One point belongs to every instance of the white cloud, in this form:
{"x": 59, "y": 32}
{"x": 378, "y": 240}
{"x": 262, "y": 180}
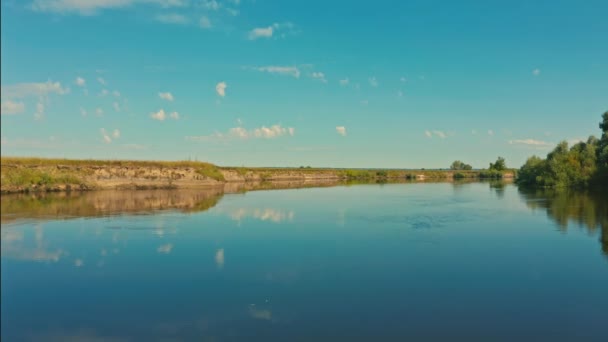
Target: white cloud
{"x": 39, "y": 114}
{"x": 399, "y": 93}
{"x": 319, "y": 76}
{"x": 166, "y": 96}
{"x": 165, "y": 249}
{"x": 474, "y": 132}
{"x": 9, "y": 107}
{"x": 439, "y": 134}
{"x": 80, "y": 81}
{"x": 99, "y": 112}
{"x": 263, "y": 132}
{"x": 344, "y": 82}
{"x": 490, "y": 132}
{"x": 83, "y": 111}
{"x": 219, "y": 258}
{"x": 220, "y": 88}
{"x": 260, "y": 32}
{"x": 373, "y": 81}
{"x": 536, "y": 72}
{"x": 104, "y": 92}
{"x": 280, "y": 70}
{"x": 22, "y": 90}
{"x": 105, "y": 136}
{"x": 172, "y": 18}
{"x": 101, "y": 80}
{"x": 78, "y": 262}
{"x": 92, "y": 7}
{"x": 403, "y": 79}
{"x": 161, "y": 115}
{"x": 210, "y": 5}
{"x": 204, "y": 22}
{"x": 529, "y": 142}
{"x": 341, "y": 130}
{"x": 116, "y": 133}
{"x": 116, "y": 106}
{"x": 364, "y": 102}
{"x": 116, "y": 93}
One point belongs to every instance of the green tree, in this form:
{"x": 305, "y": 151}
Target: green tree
{"x": 602, "y": 149}
{"x": 499, "y": 165}
{"x": 458, "y": 165}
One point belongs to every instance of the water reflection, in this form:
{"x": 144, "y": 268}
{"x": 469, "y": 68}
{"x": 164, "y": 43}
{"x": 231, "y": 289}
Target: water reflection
{"x": 587, "y": 209}
{"x": 105, "y": 203}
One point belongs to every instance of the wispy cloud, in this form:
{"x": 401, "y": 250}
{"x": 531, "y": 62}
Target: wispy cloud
{"x": 99, "y": 112}
{"x": 204, "y": 22}
{"x": 319, "y": 76}
{"x": 438, "y": 134}
{"x": 116, "y": 106}
{"x": 101, "y": 80}
{"x": 107, "y": 137}
{"x": 166, "y": 96}
{"x": 344, "y": 82}
{"x": 39, "y": 114}
{"x": 93, "y": 7}
{"x": 530, "y": 142}
{"x": 280, "y": 70}
{"x": 341, "y": 130}
{"x": 283, "y": 29}
{"x": 373, "y": 82}
{"x": 22, "y": 90}
{"x": 260, "y": 32}
{"x": 536, "y": 72}
{"x": 172, "y": 18}
{"x": 490, "y": 132}
{"x": 272, "y": 132}
{"x": 220, "y": 88}
{"x": 161, "y": 115}
{"x": 80, "y": 81}
{"x": 9, "y": 107}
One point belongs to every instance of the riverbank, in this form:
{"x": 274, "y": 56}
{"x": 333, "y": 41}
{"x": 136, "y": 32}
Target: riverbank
{"x": 44, "y": 175}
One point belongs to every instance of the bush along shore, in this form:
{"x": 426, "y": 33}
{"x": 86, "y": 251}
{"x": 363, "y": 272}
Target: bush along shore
{"x": 41, "y": 174}
{"x": 584, "y": 165}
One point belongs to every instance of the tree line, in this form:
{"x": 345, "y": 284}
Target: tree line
{"x": 583, "y": 165}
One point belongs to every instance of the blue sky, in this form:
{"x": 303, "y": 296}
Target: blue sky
{"x": 401, "y": 84}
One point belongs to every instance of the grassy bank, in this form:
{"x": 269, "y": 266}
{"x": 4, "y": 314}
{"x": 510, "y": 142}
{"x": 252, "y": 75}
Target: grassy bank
{"x": 42, "y": 174}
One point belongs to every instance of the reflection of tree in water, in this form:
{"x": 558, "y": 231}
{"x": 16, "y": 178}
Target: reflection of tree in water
{"x": 585, "y": 208}
{"x": 498, "y": 187}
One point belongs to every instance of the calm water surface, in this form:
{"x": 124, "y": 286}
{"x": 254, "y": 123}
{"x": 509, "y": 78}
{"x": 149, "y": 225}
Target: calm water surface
{"x": 368, "y": 262}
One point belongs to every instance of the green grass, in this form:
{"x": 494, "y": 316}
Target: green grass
{"x": 210, "y": 171}
{"x": 26, "y": 177}
{"x": 21, "y": 161}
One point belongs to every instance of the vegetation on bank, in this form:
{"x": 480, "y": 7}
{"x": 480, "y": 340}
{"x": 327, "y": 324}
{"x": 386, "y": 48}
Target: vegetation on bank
{"x": 583, "y": 165}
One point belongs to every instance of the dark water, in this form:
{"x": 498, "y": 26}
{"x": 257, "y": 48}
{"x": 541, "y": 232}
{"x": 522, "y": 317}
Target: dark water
{"x": 396, "y": 262}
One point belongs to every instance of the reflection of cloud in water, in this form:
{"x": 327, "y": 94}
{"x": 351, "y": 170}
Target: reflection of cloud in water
{"x": 219, "y": 258}
{"x": 78, "y": 262}
{"x": 10, "y": 235}
{"x": 165, "y": 249}
{"x": 260, "y": 313}
{"x": 267, "y": 214}
{"x": 36, "y": 254}
{"x": 103, "y": 252}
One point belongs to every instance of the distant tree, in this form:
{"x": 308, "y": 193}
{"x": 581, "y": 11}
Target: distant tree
{"x": 458, "y": 165}
{"x": 499, "y": 165}
{"x": 602, "y": 149}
